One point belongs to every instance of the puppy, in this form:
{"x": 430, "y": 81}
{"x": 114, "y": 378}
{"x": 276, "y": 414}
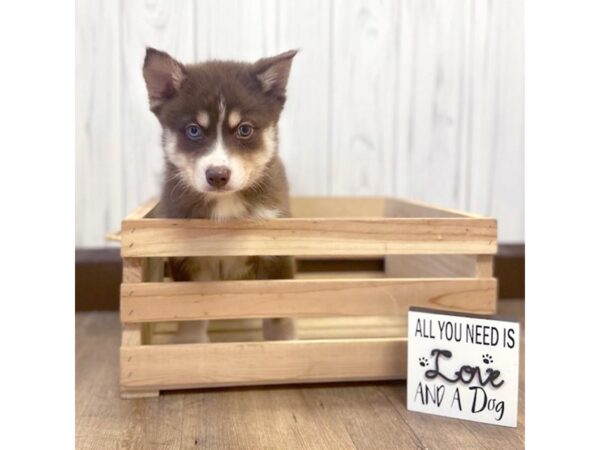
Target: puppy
{"x": 219, "y": 122}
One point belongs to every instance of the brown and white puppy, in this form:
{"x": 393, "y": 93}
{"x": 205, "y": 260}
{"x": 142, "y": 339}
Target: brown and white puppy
{"x": 219, "y": 121}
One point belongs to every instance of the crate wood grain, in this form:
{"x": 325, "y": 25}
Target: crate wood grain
{"x": 250, "y": 330}
{"x": 254, "y": 363}
{"x": 151, "y": 302}
{"x": 322, "y": 226}
{"x": 366, "y": 236}
{"x": 351, "y": 318}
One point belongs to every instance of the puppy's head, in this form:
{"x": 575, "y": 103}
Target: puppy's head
{"x": 219, "y": 118}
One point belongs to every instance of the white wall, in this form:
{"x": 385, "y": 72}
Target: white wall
{"x": 414, "y": 98}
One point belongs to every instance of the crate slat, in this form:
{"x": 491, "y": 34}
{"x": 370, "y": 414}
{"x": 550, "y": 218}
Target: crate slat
{"x": 136, "y": 270}
{"x": 152, "y": 302}
{"x": 425, "y": 266}
{"x": 400, "y": 207}
{"x": 256, "y": 363}
{"x": 359, "y": 236}
{"x": 337, "y": 206}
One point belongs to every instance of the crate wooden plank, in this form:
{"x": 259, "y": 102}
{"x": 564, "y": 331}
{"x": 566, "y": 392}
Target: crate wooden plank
{"x": 320, "y": 207}
{"x": 399, "y": 207}
{"x": 256, "y": 363}
{"x": 244, "y": 330}
{"x": 153, "y": 302}
{"x": 136, "y": 270}
{"x": 342, "y": 274}
{"x": 425, "y": 266}
{"x": 312, "y": 328}
{"x": 189, "y": 237}
{"x": 315, "y": 207}
{"x": 337, "y": 206}
{"x": 344, "y": 325}
{"x": 485, "y": 266}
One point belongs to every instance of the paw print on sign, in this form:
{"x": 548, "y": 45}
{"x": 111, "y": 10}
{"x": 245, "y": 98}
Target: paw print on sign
{"x": 487, "y": 358}
{"x": 423, "y": 362}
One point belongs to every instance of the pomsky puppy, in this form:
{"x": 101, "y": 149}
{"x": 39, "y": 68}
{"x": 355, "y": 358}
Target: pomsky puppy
{"x": 219, "y": 122}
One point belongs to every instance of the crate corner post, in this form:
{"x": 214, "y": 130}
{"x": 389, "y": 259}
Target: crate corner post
{"x": 135, "y": 270}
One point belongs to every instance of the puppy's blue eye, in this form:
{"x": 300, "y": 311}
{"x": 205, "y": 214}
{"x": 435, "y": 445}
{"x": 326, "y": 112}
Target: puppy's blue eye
{"x": 194, "y": 132}
{"x": 245, "y": 130}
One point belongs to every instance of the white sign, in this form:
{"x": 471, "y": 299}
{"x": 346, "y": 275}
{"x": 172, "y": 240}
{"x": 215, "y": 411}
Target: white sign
{"x": 463, "y": 366}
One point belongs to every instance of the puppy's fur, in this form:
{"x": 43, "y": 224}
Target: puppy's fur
{"x": 219, "y": 122}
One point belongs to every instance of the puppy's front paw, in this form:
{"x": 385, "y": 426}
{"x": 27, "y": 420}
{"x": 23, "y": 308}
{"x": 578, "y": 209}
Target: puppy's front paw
{"x": 279, "y": 329}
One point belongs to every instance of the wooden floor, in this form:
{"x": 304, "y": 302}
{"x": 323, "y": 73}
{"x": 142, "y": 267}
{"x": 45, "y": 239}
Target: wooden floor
{"x": 328, "y": 416}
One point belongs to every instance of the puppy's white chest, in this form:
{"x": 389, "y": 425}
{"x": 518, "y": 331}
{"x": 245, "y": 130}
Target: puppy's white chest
{"x": 229, "y": 267}
{"x": 229, "y": 207}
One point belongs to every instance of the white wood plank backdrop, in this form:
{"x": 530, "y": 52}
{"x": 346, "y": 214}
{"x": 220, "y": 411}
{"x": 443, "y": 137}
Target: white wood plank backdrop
{"x": 414, "y": 98}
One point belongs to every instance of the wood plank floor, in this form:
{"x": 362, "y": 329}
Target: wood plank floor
{"x": 326, "y": 416}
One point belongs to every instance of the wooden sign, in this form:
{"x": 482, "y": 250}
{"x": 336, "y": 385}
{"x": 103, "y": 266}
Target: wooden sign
{"x": 463, "y": 366}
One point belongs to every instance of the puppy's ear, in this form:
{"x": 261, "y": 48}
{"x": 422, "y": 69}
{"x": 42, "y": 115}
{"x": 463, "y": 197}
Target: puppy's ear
{"x": 273, "y": 73}
{"x": 164, "y": 76}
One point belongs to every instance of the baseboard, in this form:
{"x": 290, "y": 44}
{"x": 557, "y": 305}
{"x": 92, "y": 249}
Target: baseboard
{"x": 97, "y": 279}
{"x": 509, "y": 268}
{"x": 98, "y": 275}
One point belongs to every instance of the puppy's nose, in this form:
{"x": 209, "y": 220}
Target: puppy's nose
{"x": 218, "y": 176}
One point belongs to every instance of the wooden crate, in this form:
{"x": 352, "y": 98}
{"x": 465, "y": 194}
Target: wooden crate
{"x": 362, "y": 262}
